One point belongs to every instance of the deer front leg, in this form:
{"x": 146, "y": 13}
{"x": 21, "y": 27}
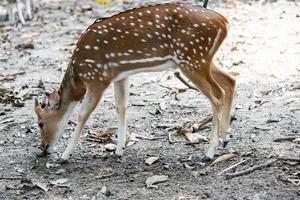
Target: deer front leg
{"x": 19, "y": 9}
{"x": 121, "y": 99}
{"x": 88, "y": 105}
{"x": 28, "y": 8}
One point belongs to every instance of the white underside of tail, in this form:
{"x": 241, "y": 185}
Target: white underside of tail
{"x": 170, "y": 63}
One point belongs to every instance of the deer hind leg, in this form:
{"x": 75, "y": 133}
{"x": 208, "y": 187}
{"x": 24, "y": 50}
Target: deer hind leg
{"x": 121, "y": 99}
{"x": 204, "y": 81}
{"x": 228, "y": 85}
{"x": 90, "y": 101}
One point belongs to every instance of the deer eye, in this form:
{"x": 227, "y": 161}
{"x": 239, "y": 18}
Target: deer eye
{"x": 41, "y": 125}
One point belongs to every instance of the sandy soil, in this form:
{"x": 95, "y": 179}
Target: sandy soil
{"x": 262, "y": 49}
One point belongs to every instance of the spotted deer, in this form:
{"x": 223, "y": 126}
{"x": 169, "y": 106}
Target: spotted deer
{"x": 146, "y": 39}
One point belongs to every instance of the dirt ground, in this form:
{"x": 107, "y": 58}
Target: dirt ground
{"x": 262, "y": 50}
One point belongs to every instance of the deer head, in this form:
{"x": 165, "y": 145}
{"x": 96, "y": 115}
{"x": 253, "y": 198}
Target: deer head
{"x": 48, "y": 116}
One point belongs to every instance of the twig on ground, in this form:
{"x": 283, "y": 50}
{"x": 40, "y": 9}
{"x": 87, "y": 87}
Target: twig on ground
{"x": 11, "y": 178}
{"x": 220, "y": 62}
{"x": 151, "y": 139}
{"x": 103, "y": 176}
{"x": 250, "y": 170}
{"x": 177, "y": 75}
{"x": 294, "y": 181}
{"x": 290, "y": 138}
{"x": 90, "y": 139}
{"x": 233, "y": 166}
{"x": 196, "y": 127}
{"x": 290, "y": 159}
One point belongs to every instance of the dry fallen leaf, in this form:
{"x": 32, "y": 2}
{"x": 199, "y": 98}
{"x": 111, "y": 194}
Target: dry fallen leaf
{"x": 62, "y": 182}
{"x": 223, "y": 158}
{"x": 107, "y": 133}
{"x": 181, "y": 90}
{"x": 5, "y": 29}
{"x": 151, "y": 160}
{"x": 155, "y": 179}
{"x": 130, "y": 139}
{"x": 43, "y": 186}
{"x": 191, "y": 137}
{"x": 29, "y": 35}
{"x": 186, "y": 165}
{"x": 7, "y": 78}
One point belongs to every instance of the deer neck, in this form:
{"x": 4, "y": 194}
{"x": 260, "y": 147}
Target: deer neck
{"x": 70, "y": 90}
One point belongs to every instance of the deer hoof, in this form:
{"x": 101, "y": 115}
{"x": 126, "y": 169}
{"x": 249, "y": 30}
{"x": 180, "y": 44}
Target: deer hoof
{"x": 225, "y": 143}
{"x": 206, "y": 159}
{"x": 42, "y": 154}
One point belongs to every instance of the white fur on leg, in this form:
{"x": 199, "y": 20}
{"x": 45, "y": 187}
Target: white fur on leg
{"x": 121, "y": 100}
{"x": 213, "y": 144}
{"x": 225, "y": 124}
{"x": 214, "y": 137}
{"x": 73, "y": 143}
{"x": 89, "y": 103}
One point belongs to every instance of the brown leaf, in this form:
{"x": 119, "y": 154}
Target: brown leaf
{"x": 181, "y": 90}
{"x": 191, "y": 137}
{"x": 5, "y": 29}
{"x": 29, "y": 35}
{"x": 223, "y": 158}
{"x": 25, "y": 46}
{"x": 234, "y": 48}
{"x": 181, "y": 131}
{"x": 107, "y": 133}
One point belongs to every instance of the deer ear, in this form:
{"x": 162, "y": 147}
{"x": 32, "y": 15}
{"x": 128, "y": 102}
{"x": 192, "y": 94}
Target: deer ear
{"x": 53, "y": 100}
{"x": 37, "y": 106}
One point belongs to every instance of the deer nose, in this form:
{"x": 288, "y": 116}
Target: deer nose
{"x": 44, "y": 147}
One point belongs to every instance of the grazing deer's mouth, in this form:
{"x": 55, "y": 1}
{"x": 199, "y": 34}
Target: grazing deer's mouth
{"x": 44, "y": 151}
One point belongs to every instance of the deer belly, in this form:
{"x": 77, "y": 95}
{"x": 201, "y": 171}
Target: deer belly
{"x": 147, "y": 65}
